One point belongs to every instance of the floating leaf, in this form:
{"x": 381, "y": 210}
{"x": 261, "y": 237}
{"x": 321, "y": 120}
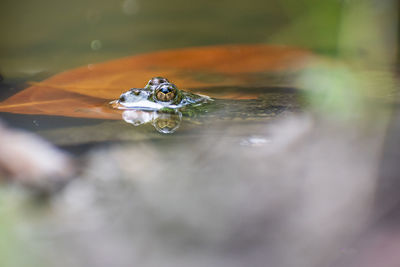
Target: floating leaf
{"x": 86, "y": 91}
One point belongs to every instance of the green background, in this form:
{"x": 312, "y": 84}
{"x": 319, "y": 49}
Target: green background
{"x": 51, "y": 35}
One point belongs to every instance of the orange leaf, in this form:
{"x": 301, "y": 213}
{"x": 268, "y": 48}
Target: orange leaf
{"x": 86, "y": 91}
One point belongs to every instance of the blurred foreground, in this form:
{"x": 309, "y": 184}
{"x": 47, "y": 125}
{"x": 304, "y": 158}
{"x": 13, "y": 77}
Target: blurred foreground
{"x": 305, "y": 191}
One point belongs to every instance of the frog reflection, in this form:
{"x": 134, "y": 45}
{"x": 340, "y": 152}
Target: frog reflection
{"x": 163, "y": 122}
{"x": 158, "y": 102}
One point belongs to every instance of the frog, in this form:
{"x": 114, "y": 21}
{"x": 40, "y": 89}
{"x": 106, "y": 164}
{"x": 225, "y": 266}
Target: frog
{"x": 159, "y": 94}
{"x": 164, "y": 106}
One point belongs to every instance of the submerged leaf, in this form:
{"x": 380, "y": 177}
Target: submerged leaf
{"x": 86, "y": 91}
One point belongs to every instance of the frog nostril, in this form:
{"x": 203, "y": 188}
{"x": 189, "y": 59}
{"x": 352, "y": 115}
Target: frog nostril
{"x": 122, "y": 99}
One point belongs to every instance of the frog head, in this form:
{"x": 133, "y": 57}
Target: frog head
{"x": 158, "y": 94}
{"x": 138, "y": 98}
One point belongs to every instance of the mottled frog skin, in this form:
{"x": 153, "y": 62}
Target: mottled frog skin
{"x": 158, "y": 94}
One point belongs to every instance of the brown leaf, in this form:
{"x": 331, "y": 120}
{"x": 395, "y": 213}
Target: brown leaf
{"x": 86, "y": 91}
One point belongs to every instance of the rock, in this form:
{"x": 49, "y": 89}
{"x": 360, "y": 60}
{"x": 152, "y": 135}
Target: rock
{"x": 25, "y": 158}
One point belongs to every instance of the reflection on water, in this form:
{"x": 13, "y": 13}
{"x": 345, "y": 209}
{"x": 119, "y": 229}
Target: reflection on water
{"x": 163, "y": 122}
{"x": 243, "y": 114}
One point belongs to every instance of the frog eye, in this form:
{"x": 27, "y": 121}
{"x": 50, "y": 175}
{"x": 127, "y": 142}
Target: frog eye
{"x": 122, "y": 98}
{"x": 165, "y": 92}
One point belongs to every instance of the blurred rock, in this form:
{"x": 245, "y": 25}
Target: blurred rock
{"x": 27, "y": 159}
{"x": 298, "y": 199}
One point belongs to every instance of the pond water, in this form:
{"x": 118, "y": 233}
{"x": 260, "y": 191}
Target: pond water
{"x": 262, "y": 175}
{"x": 79, "y": 134}
{"x": 41, "y": 39}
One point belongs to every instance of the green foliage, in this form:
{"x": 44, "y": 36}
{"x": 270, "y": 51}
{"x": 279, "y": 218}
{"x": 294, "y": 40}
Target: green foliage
{"x": 15, "y": 248}
{"x": 332, "y": 89}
